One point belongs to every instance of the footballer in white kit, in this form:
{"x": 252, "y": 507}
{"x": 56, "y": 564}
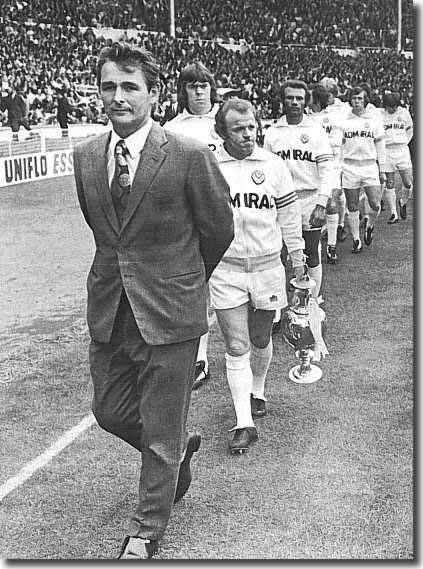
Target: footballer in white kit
{"x": 398, "y": 126}
{"x": 248, "y": 284}
{"x": 363, "y": 164}
{"x": 197, "y": 101}
{"x": 305, "y": 149}
{"x": 330, "y": 119}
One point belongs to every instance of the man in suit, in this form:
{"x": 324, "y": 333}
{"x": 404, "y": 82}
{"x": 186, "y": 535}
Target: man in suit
{"x": 17, "y": 112}
{"x": 160, "y": 214}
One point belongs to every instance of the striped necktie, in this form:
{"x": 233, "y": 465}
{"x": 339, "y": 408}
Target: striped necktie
{"x": 121, "y": 182}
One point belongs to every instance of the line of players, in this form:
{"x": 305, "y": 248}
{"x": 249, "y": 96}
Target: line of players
{"x": 339, "y": 155}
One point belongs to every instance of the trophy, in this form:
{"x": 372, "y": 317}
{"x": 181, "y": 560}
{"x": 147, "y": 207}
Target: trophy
{"x": 302, "y": 329}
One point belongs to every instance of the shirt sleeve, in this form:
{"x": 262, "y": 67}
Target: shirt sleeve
{"x": 288, "y": 210}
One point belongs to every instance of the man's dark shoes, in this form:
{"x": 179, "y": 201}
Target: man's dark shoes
{"x": 277, "y": 327}
{"x": 331, "y": 255}
{"x": 402, "y": 209}
{"x": 201, "y": 375}
{"x": 382, "y": 205}
{"x": 357, "y": 246}
{"x": 258, "y": 407}
{"x": 185, "y": 476}
{"x": 241, "y": 440}
{"x": 368, "y": 234}
{"x": 138, "y": 548}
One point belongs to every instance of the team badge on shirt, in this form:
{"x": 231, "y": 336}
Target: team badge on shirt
{"x": 304, "y": 138}
{"x": 325, "y": 119}
{"x": 366, "y": 125}
{"x": 258, "y": 177}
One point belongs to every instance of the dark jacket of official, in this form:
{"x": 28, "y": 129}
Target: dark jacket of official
{"x": 15, "y": 106}
{"x": 176, "y": 227}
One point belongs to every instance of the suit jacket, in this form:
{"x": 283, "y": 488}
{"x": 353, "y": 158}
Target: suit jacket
{"x": 177, "y": 226}
{"x": 16, "y": 107}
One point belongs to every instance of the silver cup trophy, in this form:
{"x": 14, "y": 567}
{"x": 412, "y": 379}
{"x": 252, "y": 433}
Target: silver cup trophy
{"x": 301, "y": 328}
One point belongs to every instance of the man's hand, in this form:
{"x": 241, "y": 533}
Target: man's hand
{"x": 318, "y": 216}
{"x": 382, "y": 177}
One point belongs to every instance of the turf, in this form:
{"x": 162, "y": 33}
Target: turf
{"x": 331, "y": 476}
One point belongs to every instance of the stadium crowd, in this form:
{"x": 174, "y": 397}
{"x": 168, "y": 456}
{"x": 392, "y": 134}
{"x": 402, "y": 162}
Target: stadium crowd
{"x": 43, "y": 60}
{"x": 371, "y": 23}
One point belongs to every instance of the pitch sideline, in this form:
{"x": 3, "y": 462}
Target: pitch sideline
{"x": 31, "y": 467}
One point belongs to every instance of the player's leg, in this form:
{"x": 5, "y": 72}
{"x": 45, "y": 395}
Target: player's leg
{"x": 406, "y": 190}
{"x": 230, "y": 299}
{"x": 312, "y": 250}
{"x": 373, "y": 194}
{"x": 390, "y": 197}
{"x": 342, "y": 213}
{"x": 352, "y": 196}
{"x": 267, "y": 293}
{"x": 332, "y": 222}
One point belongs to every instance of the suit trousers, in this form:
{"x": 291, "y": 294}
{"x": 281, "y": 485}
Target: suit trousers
{"x": 142, "y": 394}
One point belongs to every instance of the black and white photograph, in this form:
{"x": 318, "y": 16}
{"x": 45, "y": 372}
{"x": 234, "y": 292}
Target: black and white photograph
{"x": 207, "y": 280}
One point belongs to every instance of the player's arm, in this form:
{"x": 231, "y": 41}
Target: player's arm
{"x": 380, "y": 150}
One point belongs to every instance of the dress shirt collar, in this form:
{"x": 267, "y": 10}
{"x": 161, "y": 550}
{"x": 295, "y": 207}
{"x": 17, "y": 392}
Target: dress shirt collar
{"x": 134, "y": 142}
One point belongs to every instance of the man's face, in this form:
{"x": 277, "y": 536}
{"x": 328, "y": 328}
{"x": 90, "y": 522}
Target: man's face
{"x": 240, "y": 134}
{"x": 126, "y": 99}
{"x": 357, "y": 103}
{"x": 198, "y": 95}
{"x": 294, "y": 103}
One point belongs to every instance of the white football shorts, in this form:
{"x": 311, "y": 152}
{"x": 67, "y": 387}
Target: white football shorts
{"x": 398, "y": 158}
{"x": 264, "y": 289}
{"x": 356, "y": 174}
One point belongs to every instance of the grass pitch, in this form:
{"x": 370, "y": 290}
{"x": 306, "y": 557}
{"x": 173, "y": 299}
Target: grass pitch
{"x": 331, "y": 476}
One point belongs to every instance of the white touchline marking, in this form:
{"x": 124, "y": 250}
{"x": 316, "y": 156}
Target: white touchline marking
{"x": 64, "y": 441}
{"x": 28, "y": 470}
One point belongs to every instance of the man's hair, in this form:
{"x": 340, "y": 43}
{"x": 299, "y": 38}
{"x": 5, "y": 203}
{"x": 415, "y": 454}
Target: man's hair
{"x": 191, "y": 74}
{"x": 128, "y": 57}
{"x": 295, "y": 84}
{"x": 240, "y": 105}
{"x": 356, "y": 91}
{"x": 391, "y": 99}
{"x": 321, "y": 95}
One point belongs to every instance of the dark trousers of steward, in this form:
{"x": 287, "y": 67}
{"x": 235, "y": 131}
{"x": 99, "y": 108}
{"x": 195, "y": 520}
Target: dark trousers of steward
{"x": 142, "y": 394}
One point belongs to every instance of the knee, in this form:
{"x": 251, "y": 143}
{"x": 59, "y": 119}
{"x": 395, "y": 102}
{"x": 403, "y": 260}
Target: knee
{"x": 237, "y": 347}
{"x": 108, "y": 420}
{"x": 331, "y": 207}
{"x": 260, "y": 339}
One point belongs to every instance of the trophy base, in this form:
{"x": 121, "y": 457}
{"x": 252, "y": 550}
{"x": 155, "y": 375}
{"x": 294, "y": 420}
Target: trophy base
{"x": 309, "y": 374}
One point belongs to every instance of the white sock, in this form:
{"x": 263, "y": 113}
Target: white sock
{"x": 391, "y": 199}
{"x": 354, "y": 223}
{"x": 277, "y": 317}
{"x": 316, "y": 274}
{"x": 341, "y": 209}
{"x": 202, "y": 350}
{"x": 240, "y": 380}
{"x": 260, "y": 362}
{"x": 332, "y": 225}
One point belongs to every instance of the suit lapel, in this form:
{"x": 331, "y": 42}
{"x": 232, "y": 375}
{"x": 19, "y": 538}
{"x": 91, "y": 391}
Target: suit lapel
{"x": 152, "y": 157}
{"x": 101, "y": 181}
